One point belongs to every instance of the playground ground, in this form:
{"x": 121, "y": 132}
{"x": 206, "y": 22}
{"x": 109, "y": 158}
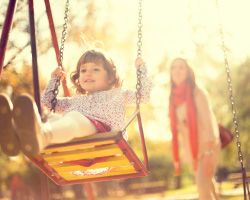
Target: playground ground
{"x": 229, "y": 194}
{"x": 228, "y": 191}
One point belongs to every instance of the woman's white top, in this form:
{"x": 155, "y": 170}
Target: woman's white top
{"x": 207, "y": 126}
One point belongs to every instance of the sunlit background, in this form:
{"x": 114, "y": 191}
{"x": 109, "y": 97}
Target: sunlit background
{"x": 171, "y": 28}
{"x": 186, "y": 28}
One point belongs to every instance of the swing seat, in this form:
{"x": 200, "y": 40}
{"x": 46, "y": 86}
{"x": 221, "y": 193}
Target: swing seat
{"x": 100, "y": 157}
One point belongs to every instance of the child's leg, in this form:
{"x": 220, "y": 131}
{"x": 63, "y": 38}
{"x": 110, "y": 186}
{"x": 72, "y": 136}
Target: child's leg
{"x": 34, "y": 135}
{"x": 28, "y": 123}
{"x": 67, "y": 127}
{"x": 8, "y": 140}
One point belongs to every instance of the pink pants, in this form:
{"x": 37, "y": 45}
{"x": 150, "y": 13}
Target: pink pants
{"x": 100, "y": 127}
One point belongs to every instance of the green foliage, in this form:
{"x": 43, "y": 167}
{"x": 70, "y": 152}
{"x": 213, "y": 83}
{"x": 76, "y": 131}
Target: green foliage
{"x": 19, "y": 79}
{"x": 222, "y": 107}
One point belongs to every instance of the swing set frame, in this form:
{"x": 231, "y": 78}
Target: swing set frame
{"x": 114, "y": 137}
{"x": 134, "y": 167}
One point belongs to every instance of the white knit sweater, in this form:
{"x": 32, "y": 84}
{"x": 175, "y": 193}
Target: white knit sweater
{"x": 106, "y": 106}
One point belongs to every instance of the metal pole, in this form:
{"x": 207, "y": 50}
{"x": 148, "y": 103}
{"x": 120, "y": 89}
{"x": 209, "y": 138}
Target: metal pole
{"x": 43, "y": 178}
{"x": 6, "y": 30}
{"x": 55, "y": 42}
{"x": 34, "y": 56}
{"x": 52, "y": 30}
{"x": 143, "y": 143}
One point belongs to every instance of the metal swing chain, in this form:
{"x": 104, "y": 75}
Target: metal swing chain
{"x": 233, "y": 109}
{"x": 63, "y": 38}
{"x": 230, "y": 92}
{"x": 139, "y": 85}
{"x": 139, "y": 52}
{"x": 232, "y": 101}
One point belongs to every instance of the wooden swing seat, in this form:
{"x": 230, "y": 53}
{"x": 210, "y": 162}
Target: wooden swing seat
{"x": 99, "y": 157}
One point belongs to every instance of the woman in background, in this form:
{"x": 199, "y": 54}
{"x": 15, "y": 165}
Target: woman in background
{"x": 194, "y": 128}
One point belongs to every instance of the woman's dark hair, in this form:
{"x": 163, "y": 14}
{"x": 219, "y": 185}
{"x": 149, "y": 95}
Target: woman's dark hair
{"x": 98, "y": 58}
{"x": 190, "y": 73}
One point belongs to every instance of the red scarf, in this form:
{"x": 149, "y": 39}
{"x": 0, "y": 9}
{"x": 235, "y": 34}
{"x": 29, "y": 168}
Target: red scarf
{"x": 183, "y": 94}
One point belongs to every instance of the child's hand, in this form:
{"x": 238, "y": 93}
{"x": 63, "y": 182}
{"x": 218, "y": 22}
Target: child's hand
{"x": 59, "y": 73}
{"x": 139, "y": 62}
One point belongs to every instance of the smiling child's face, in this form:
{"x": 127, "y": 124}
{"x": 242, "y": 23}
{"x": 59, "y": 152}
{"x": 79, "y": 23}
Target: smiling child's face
{"x": 93, "y": 77}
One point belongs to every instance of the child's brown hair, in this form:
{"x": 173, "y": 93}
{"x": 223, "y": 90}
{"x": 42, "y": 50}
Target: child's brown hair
{"x": 98, "y": 58}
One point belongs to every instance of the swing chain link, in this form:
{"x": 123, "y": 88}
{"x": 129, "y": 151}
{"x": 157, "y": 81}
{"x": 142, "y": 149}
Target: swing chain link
{"x": 55, "y": 91}
{"x": 139, "y": 52}
{"x": 139, "y": 33}
{"x": 64, "y": 32}
{"x": 230, "y": 92}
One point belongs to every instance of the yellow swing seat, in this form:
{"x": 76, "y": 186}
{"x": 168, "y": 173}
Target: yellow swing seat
{"x": 99, "y": 157}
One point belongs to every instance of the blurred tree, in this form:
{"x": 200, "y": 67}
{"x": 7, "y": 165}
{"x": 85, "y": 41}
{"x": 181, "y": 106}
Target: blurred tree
{"x": 222, "y": 105}
{"x": 87, "y": 32}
